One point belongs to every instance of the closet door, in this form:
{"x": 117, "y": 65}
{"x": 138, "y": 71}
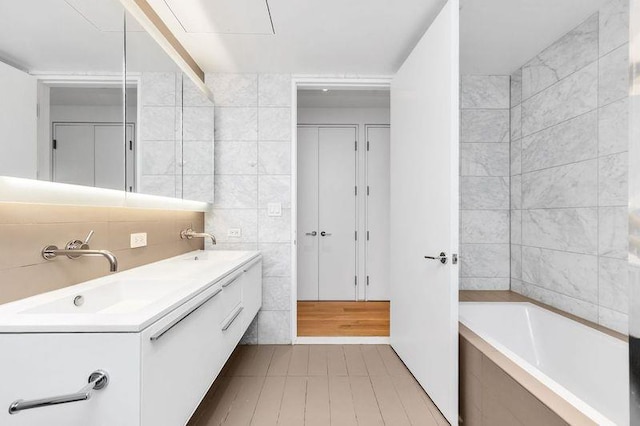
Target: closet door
{"x": 110, "y": 157}
{"x": 377, "y": 239}
{"x": 73, "y": 154}
{"x": 337, "y": 213}
{"x": 308, "y": 233}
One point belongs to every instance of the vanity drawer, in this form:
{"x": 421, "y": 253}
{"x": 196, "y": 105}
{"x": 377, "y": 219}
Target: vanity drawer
{"x": 181, "y": 356}
{"x": 232, "y": 329}
{"x": 231, "y": 293}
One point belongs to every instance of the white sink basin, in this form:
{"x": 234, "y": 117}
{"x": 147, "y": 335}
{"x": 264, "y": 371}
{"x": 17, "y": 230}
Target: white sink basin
{"x": 215, "y": 255}
{"x": 117, "y": 297}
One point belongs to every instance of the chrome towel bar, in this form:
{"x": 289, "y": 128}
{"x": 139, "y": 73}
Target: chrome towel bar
{"x": 97, "y": 380}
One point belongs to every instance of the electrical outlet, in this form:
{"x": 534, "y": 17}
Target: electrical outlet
{"x": 274, "y": 209}
{"x": 234, "y": 232}
{"x": 139, "y": 240}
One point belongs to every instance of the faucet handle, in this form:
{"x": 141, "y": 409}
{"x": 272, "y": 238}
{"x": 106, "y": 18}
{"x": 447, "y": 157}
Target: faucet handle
{"x": 86, "y": 240}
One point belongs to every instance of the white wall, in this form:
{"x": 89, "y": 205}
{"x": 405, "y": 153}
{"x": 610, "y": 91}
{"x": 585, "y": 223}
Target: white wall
{"x": 18, "y": 121}
{"x": 360, "y": 117}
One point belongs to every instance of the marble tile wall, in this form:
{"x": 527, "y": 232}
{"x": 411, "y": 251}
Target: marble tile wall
{"x": 252, "y": 170}
{"x": 484, "y": 182}
{"x": 569, "y": 142}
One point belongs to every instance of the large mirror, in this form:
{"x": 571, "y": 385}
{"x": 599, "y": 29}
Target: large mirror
{"x": 89, "y": 98}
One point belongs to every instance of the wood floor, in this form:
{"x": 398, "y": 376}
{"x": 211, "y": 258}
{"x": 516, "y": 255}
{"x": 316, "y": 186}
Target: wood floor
{"x": 322, "y": 385}
{"x": 343, "y": 318}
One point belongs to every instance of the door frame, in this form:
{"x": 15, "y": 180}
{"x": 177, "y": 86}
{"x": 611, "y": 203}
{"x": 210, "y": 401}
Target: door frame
{"x": 311, "y": 82}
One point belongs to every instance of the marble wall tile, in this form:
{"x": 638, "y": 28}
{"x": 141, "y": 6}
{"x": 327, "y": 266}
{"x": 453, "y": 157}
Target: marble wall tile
{"x": 516, "y": 226}
{"x": 484, "y": 193}
{"x": 515, "y": 155}
{"x": 274, "y": 189}
{"x": 484, "y": 226}
{"x": 276, "y": 259}
{"x": 516, "y": 88}
{"x": 571, "y": 274}
{"x": 570, "y": 53}
{"x": 276, "y": 293}
{"x": 515, "y": 194}
{"x": 516, "y": 122}
{"x": 236, "y": 124}
{"x": 158, "y": 89}
{"x": 251, "y": 335}
{"x": 197, "y": 123}
{"x": 198, "y": 157}
{"x": 570, "y": 97}
{"x": 236, "y": 191}
{"x": 158, "y": 123}
{"x": 581, "y": 308}
{"x": 482, "y": 91}
{"x": 198, "y": 188}
{"x": 614, "y": 25}
{"x": 614, "y": 320}
{"x": 158, "y": 157}
{"x": 220, "y": 221}
{"x": 569, "y": 142}
{"x": 192, "y": 96}
{"x": 614, "y": 75}
{"x": 484, "y": 260}
{"x": 612, "y": 180}
{"x": 274, "y": 158}
{"x": 516, "y": 262}
{"x": 613, "y": 127}
{"x": 484, "y": 159}
{"x": 274, "y": 229}
{"x": 573, "y": 185}
{"x": 233, "y": 90}
{"x": 574, "y": 230}
{"x": 484, "y": 126}
{"x": 274, "y": 124}
{"x": 484, "y": 283}
{"x": 274, "y": 327}
{"x": 613, "y": 289}
{"x": 613, "y": 230}
{"x": 162, "y": 185}
{"x": 236, "y": 158}
{"x": 274, "y": 90}
{"x": 232, "y": 246}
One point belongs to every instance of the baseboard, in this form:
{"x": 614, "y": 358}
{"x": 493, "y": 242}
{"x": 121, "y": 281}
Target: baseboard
{"x": 341, "y": 340}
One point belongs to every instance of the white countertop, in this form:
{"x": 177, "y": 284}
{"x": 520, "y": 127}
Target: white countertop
{"x": 141, "y": 296}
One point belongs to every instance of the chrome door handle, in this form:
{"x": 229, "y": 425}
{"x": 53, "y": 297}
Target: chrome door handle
{"x": 325, "y": 234}
{"x": 442, "y": 258}
{"x": 312, "y": 234}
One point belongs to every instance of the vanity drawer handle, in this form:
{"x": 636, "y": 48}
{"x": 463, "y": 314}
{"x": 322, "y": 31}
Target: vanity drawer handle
{"x": 233, "y": 318}
{"x": 251, "y": 263}
{"x": 176, "y": 321}
{"x": 233, "y": 280}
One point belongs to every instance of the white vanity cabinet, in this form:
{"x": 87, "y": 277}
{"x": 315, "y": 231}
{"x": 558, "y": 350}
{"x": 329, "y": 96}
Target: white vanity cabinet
{"x": 157, "y": 376}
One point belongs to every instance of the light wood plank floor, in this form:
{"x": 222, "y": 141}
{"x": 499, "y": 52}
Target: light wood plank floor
{"x": 343, "y": 318}
{"x": 322, "y": 385}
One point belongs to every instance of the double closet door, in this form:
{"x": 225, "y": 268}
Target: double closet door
{"x": 327, "y": 213}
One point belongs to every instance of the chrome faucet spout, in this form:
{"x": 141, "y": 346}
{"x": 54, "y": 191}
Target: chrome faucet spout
{"x": 190, "y": 233}
{"x": 77, "y": 248}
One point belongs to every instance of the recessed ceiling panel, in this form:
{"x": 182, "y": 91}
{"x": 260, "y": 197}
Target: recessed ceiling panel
{"x": 105, "y": 15}
{"x": 222, "y": 16}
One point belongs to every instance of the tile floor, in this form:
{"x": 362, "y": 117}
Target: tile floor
{"x": 322, "y": 385}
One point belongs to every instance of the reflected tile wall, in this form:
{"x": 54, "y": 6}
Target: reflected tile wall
{"x": 570, "y": 205}
{"x": 253, "y": 169}
{"x": 484, "y": 182}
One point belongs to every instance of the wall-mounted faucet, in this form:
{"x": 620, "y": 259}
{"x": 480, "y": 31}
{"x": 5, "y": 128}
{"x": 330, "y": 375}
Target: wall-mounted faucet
{"x": 77, "y": 248}
{"x": 189, "y": 233}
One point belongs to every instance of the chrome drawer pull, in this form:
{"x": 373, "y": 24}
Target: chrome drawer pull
{"x": 176, "y": 321}
{"x": 250, "y": 264}
{"x": 233, "y": 318}
{"x": 97, "y": 380}
{"x": 233, "y": 280}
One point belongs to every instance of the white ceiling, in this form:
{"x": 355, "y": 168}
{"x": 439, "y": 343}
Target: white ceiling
{"x": 499, "y": 36}
{"x": 316, "y": 98}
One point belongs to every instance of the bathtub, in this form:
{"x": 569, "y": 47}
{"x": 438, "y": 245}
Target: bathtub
{"x": 583, "y": 366}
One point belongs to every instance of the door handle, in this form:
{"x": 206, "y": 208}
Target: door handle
{"x": 325, "y": 234}
{"x": 442, "y": 258}
{"x": 312, "y": 234}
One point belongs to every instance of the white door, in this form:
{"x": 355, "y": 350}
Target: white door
{"x": 337, "y": 213}
{"x": 424, "y": 211}
{"x": 73, "y": 154}
{"x": 377, "y": 238}
{"x": 110, "y": 157}
{"x": 308, "y": 234}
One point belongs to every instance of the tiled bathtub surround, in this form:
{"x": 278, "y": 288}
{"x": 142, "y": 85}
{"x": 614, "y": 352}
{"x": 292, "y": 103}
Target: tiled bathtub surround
{"x": 253, "y": 169}
{"x": 27, "y": 228}
{"x": 484, "y": 183}
{"x": 569, "y": 142}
